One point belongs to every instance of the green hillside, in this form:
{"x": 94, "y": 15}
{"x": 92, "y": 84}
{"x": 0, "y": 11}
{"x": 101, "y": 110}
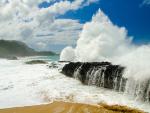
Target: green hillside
{"x": 16, "y": 48}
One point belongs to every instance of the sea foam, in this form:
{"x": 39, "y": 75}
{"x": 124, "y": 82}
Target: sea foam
{"x": 101, "y": 40}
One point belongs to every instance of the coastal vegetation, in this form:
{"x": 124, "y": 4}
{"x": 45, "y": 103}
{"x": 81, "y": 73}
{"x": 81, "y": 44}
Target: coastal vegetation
{"x": 11, "y": 48}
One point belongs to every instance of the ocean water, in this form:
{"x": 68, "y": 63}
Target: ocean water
{"x": 45, "y": 58}
{"x": 24, "y": 85}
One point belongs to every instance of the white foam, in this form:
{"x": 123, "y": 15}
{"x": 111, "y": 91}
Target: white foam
{"x": 101, "y": 40}
{"x": 67, "y": 53}
{"x": 24, "y": 85}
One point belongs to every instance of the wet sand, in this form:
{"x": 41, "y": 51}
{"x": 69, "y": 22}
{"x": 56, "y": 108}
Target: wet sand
{"x": 66, "y": 107}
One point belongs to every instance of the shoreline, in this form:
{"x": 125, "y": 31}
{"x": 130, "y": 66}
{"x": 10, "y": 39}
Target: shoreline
{"x": 65, "y": 107}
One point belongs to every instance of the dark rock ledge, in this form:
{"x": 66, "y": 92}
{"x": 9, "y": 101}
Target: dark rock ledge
{"x": 101, "y": 74}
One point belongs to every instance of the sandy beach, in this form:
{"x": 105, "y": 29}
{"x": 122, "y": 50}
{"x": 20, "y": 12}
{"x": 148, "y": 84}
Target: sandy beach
{"x": 66, "y": 107}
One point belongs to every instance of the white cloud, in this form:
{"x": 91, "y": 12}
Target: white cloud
{"x": 90, "y": 1}
{"x": 146, "y": 2}
{"x": 61, "y": 31}
{"x": 23, "y": 20}
{"x": 29, "y": 8}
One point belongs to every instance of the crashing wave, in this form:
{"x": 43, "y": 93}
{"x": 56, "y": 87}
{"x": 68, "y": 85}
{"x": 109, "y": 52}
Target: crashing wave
{"x": 107, "y": 75}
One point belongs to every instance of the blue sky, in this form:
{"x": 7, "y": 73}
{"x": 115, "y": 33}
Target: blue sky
{"x": 57, "y": 24}
{"x": 132, "y": 14}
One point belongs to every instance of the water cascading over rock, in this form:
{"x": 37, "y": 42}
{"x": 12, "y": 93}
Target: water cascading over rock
{"x": 138, "y": 89}
{"x": 101, "y": 74}
{"x": 107, "y": 75}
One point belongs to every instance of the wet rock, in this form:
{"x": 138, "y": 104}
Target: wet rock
{"x": 36, "y": 62}
{"x": 53, "y": 65}
{"x": 101, "y": 74}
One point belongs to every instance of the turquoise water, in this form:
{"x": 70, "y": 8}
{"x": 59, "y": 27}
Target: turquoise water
{"x": 54, "y": 57}
{"x": 46, "y": 58}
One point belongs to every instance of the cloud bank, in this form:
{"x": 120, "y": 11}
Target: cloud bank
{"x": 23, "y": 20}
{"x": 101, "y": 40}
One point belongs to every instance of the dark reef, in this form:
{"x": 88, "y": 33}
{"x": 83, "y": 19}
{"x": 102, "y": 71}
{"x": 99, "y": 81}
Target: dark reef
{"x": 101, "y": 74}
{"x": 36, "y": 62}
{"x": 107, "y": 75}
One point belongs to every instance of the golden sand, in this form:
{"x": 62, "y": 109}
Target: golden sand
{"x": 66, "y": 107}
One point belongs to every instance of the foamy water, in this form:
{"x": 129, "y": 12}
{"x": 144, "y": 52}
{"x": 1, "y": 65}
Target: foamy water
{"x": 24, "y": 85}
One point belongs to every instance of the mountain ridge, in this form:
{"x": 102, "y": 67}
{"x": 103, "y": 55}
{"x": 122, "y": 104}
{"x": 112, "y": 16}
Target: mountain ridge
{"x": 13, "y": 48}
